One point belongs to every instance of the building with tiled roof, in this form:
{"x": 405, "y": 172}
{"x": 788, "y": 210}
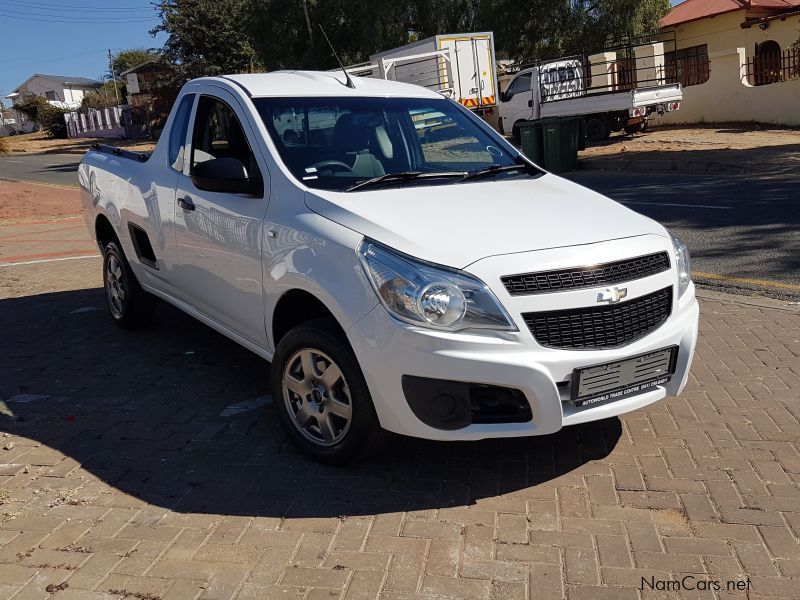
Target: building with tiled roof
{"x": 754, "y": 43}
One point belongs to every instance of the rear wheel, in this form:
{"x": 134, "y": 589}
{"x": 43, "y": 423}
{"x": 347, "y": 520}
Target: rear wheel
{"x": 597, "y": 129}
{"x": 631, "y": 129}
{"x": 320, "y": 394}
{"x": 128, "y": 304}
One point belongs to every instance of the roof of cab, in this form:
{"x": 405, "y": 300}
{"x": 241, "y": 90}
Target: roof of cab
{"x": 324, "y": 83}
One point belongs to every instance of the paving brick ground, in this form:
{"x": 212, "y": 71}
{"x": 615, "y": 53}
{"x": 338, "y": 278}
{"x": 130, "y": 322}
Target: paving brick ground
{"x": 119, "y": 476}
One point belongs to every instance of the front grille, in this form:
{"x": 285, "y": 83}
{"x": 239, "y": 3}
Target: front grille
{"x": 582, "y": 277}
{"x": 601, "y": 326}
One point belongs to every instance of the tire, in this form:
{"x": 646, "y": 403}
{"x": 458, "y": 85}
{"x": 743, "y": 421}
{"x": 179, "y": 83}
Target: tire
{"x": 631, "y": 129}
{"x": 597, "y": 129}
{"x": 128, "y": 304}
{"x": 328, "y": 414}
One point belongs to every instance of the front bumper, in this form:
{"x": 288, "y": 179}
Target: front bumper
{"x": 387, "y": 349}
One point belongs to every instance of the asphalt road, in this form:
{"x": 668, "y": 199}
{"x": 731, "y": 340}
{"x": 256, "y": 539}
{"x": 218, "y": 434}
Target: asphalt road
{"x": 743, "y": 231}
{"x": 59, "y": 169}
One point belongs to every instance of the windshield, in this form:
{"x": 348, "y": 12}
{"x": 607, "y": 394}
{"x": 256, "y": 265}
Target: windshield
{"x": 335, "y": 143}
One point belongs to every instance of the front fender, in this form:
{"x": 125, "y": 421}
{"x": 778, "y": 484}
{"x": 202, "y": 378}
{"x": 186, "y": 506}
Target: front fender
{"x": 317, "y": 256}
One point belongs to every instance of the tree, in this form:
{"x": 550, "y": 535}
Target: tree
{"x": 106, "y": 96}
{"x": 133, "y": 57}
{"x": 607, "y": 21}
{"x": 50, "y": 118}
{"x": 206, "y": 37}
{"x": 211, "y": 37}
{"x": 286, "y": 34}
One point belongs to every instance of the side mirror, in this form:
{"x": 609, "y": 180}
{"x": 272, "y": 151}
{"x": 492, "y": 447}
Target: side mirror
{"x": 504, "y": 97}
{"x": 225, "y": 175}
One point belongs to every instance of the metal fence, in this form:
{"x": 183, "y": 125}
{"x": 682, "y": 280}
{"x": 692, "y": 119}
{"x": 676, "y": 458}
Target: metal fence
{"x": 639, "y": 63}
{"x": 110, "y": 122}
{"x": 774, "y": 67}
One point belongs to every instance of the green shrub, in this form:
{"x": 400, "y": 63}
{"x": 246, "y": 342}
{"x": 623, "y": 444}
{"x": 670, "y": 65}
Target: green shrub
{"x": 45, "y": 114}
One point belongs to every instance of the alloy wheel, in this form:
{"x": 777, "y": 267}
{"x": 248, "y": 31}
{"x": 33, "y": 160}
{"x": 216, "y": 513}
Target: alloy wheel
{"x": 317, "y": 397}
{"x": 115, "y": 286}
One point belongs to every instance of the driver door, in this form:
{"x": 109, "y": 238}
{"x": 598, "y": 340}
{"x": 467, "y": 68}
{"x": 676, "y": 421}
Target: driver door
{"x": 517, "y": 102}
{"x": 219, "y": 233}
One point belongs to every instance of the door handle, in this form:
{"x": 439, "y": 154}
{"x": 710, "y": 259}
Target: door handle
{"x": 530, "y": 103}
{"x": 186, "y": 203}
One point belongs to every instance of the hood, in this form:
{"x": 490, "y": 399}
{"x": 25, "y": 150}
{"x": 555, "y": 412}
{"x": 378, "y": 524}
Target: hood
{"x": 456, "y": 225}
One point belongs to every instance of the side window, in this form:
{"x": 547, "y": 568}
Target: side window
{"x": 300, "y": 127}
{"x": 445, "y": 142}
{"x": 519, "y": 85}
{"x": 177, "y": 134}
{"x": 219, "y": 134}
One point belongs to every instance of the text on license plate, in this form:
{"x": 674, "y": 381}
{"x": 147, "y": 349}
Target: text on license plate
{"x": 620, "y": 379}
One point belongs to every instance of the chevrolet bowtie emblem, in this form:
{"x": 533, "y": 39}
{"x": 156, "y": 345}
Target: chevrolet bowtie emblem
{"x": 612, "y": 295}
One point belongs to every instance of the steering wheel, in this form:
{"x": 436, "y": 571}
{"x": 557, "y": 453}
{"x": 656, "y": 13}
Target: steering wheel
{"x": 332, "y": 165}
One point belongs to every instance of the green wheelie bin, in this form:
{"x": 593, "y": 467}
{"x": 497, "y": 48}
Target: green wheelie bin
{"x": 530, "y": 133}
{"x": 553, "y": 143}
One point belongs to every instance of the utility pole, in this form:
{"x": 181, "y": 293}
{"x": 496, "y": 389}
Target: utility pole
{"x": 113, "y": 76}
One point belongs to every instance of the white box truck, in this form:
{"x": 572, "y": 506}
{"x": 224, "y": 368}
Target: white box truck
{"x": 458, "y": 65}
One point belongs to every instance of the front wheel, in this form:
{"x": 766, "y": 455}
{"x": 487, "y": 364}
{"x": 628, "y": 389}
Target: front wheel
{"x": 129, "y": 305}
{"x": 320, "y": 394}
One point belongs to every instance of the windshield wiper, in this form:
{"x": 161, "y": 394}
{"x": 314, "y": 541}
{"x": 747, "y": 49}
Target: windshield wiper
{"x": 403, "y": 176}
{"x": 494, "y": 170}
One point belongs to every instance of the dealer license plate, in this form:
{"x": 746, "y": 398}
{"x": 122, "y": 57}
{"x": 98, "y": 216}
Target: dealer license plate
{"x": 624, "y": 378}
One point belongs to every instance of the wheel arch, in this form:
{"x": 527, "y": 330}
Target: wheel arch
{"x": 297, "y": 306}
{"x": 104, "y": 231}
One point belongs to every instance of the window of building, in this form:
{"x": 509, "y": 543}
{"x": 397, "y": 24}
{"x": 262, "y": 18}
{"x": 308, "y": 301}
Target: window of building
{"x": 50, "y": 95}
{"x": 687, "y": 66}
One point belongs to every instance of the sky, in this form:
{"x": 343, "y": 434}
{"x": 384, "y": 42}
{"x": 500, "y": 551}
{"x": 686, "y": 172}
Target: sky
{"x": 69, "y": 37}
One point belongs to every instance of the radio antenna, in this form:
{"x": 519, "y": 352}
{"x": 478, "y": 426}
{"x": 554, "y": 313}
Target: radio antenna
{"x": 349, "y": 82}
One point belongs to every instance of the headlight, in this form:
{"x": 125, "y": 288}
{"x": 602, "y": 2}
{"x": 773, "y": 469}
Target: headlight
{"x": 684, "y": 264}
{"x": 428, "y": 295}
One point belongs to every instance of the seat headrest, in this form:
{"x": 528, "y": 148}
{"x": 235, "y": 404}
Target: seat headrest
{"x": 349, "y": 135}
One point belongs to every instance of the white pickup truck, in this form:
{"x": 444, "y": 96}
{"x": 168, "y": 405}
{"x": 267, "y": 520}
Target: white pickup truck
{"x": 559, "y": 89}
{"x": 400, "y": 264}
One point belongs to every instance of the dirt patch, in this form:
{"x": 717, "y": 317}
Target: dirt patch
{"x": 39, "y": 142}
{"x": 21, "y": 201}
{"x": 720, "y": 147}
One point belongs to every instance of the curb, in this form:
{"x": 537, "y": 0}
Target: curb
{"x": 752, "y": 299}
{"x": 45, "y": 183}
{"x": 671, "y": 166}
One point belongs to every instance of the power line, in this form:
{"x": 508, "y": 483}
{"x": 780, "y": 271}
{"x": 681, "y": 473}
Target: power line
{"x": 66, "y": 15}
{"x": 46, "y": 19}
{"x": 36, "y": 61}
{"x": 75, "y": 7}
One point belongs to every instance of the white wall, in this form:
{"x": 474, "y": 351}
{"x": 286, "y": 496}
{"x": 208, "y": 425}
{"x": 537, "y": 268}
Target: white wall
{"x": 727, "y": 96}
